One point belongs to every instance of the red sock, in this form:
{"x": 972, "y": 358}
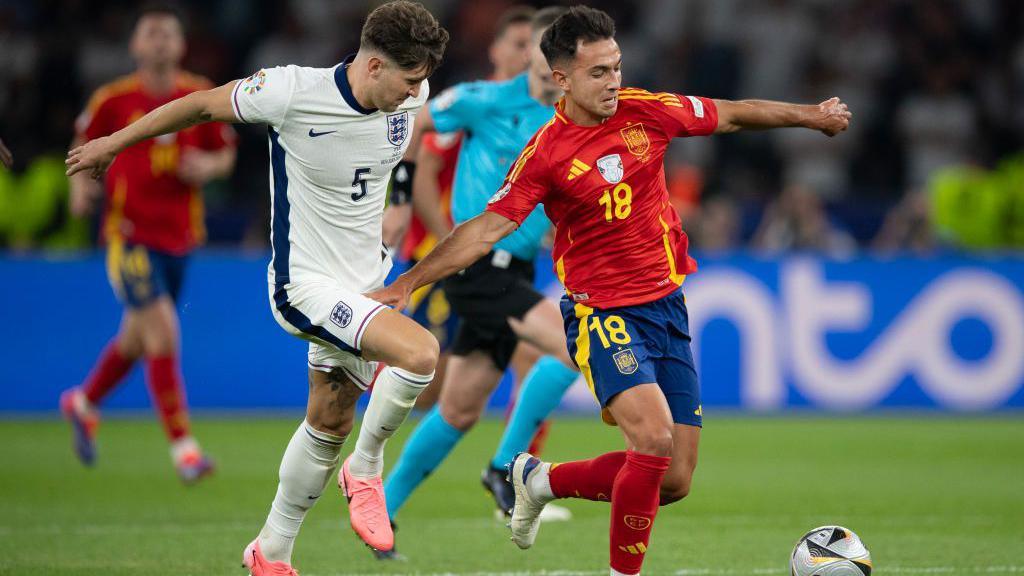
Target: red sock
{"x": 109, "y": 370}
{"x": 539, "y": 439}
{"x": 634, "y": 506}
{"x": 168, "y": 393}
{"x": 588, "y": 479}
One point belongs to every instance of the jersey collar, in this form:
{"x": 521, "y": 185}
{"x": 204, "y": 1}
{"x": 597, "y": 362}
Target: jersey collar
{"x": 341, "y": 79}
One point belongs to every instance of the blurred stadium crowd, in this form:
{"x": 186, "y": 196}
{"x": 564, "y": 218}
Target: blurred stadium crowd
{"x": 933, "y": 161}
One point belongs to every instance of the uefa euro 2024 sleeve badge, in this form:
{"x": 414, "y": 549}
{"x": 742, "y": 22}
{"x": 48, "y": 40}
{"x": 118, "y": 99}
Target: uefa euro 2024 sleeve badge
{"x": 398, "y": 128}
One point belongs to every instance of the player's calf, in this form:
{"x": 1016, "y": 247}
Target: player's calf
{"x": 674, "y": 489}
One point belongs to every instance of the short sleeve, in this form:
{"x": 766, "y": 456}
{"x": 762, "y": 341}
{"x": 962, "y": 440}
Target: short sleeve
{"x": 524, "y": 187}
{"x": 97, "y": 120}
{"x": 460, "y": 106}
{"x": 685, "y": 115}
{"x": 264, "y": 97}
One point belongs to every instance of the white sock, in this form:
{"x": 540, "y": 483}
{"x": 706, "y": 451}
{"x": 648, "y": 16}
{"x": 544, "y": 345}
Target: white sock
{"x": 539, "y": 485}
{"x": 617, "y": 573}
{"x": 182, "y": 447}
{"x": 392, "y": 399}
{"x": 307, "y": 466}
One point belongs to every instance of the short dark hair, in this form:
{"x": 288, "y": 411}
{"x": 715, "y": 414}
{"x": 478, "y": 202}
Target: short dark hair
{"x": 518, "y": 14}
{"x": 158, "y": 9}
{"x": 407, "y": 33}
{"x": 545, "y": 17}
{"x": 578, "y": 23}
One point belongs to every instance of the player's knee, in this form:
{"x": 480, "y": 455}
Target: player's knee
{"x": 421, "y": 355}
{"x": 655, "y": 441}
{"x": 159, "y": 342}
{"x": 460, "y": 418}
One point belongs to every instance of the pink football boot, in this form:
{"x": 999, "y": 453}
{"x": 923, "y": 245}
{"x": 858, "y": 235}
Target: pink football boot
{"x": 253, "y": 559}
{"x": 367, "y": 511}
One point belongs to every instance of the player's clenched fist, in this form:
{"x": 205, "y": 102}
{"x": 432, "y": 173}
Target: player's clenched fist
{"x": 93, "y": 157}
{"x": 834, "y": 117}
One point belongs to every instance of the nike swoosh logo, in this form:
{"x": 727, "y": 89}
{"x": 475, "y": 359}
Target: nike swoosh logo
{"x": 386, "y": 429}
{"x": 312, "y": 497}
{"x": 313, "y": 134}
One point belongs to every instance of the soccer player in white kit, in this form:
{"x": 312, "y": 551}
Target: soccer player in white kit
{"x": 335, "y": 136}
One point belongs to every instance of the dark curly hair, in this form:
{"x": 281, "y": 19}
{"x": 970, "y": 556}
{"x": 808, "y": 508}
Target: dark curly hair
{"x": 407, "y": 33}
{"x": 579, "y": 23}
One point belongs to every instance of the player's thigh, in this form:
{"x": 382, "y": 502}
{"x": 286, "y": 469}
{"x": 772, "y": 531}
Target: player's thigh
{"x": 469, "y": 382}
{"x": 676, "y": 484}
{"x": 129, "y": 334}
{"x": 329, "y": 314}
{"x": 543, "y": 326}
{"x": 398, "y": 341}
{"x": 158, "y": 326}
{"x": 643, "y": 415}
{"x": 332, "y": 400}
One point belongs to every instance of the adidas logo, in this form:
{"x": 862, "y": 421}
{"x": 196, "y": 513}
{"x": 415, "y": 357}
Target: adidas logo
{"x": 638, "y": 548}
{"x": 578, "y": 168}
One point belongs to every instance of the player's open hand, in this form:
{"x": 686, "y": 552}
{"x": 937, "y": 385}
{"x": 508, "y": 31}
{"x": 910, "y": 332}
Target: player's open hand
{"x": 6, "y": 158}
{"x": 93, "y": 157}
{"x": 833, "y": 117}
{"x": 395, "y": 295}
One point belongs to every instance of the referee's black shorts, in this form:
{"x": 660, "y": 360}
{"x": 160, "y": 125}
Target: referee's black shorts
{"x": 485, "y": 295}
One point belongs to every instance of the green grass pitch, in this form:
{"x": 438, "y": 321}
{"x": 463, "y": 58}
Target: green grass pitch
{"x": 928, "y": 495}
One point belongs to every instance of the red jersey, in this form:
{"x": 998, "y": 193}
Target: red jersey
{"x": 418, "y": 240}
{"x": 147, "y": 203}
{"x": 618, "y": 240}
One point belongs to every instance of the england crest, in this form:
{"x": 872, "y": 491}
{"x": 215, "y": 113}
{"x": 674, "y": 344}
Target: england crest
{"x": 398, "y": 128}
{"x": 341, "y": 315}
{"x": 610, "y": 168}
{"x": 625, "y": 361}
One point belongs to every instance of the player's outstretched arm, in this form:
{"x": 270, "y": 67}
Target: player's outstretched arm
{"x": 830, "y": 117}
{"x": 426, "y": 193}
{"x": 466, "y": 244}
{"x": 213, "y": 105}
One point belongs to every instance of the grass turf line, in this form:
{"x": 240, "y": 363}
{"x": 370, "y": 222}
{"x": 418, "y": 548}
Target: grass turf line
{"x": 929, "y": 495}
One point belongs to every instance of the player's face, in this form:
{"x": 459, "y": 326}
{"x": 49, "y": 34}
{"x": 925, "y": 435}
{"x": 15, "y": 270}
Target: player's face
{"x": 158, "y": 41}
{"x": 393, "y": 85}
{"x": 594, "y": 77}
{"x": 510, "y": 52}
{"x": 540, "y": 72}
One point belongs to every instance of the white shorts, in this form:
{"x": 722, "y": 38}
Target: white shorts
{"x": 333, "y": 320}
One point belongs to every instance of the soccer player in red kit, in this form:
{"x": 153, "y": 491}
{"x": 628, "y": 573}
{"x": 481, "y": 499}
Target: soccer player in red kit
{"x": 621, "y": 254}
{"x": 153, "y": 218}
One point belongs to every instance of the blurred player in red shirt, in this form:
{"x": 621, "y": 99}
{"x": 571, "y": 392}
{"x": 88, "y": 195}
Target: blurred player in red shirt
{"x": 153, "y": 218}
{"x": 620, "y": 252}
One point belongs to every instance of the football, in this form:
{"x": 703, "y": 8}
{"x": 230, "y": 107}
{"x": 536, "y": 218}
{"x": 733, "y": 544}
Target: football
{"x": 830, "y": 551}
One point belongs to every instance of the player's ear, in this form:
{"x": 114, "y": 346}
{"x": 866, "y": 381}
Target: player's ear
{"x": 375, "y": 65}
{"x": 561, "y": 78}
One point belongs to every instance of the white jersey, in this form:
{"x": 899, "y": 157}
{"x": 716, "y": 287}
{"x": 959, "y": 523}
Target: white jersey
{"x": 330, "y": 163}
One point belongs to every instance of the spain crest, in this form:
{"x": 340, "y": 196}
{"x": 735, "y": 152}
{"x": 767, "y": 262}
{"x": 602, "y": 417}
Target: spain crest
{"x": 398, "y": 128}
{"x": 636, "y": 140}
{"x": 625, "y": 361}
